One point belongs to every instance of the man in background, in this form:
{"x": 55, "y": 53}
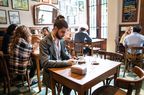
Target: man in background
{"x": 82, "y": 36}
{"x": 134, "y": 39}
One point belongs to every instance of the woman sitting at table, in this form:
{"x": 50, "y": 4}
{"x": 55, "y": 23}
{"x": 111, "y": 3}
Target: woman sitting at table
{"x": 121, "y": 43}
{"x": 20, "y": 50}
{"x": 127, "y": 32}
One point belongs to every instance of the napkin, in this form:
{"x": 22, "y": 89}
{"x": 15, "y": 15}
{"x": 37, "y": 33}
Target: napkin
{"x": 79, "y": 69}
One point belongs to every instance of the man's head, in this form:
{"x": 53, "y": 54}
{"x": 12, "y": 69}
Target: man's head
{"x": 60, "y": 28}
{"x": 45, "y": 31}
{"x": 83, "y": 27}
{"x": 60, "y": 17}
{"x": 137, "y": 28}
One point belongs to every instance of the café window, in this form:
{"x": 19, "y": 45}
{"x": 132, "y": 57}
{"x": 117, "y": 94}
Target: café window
{"x": 91, "y": 12}
{"x": 98, "y": 18}
{"x": 74, "y": 11}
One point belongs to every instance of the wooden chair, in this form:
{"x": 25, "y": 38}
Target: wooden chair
{"x": 9, "y": 79}
{"x": 130, "y": 85}
{"x": 133, "y": 56}
{"x": 1, "y": 40}
{"x": 4, "y": 73}
{"x": 70, "y": 47}
{"x": 114, "y": 57}
{"x": 79, "y": 48}
{"x": 111, "y": 56}
{"x": 101, "y": 54}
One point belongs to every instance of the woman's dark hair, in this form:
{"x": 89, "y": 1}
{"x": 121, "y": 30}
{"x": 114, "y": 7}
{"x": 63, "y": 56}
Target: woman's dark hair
{"x": 60, "y": 24}
{"x": 11, "y": 29}
{"x": 47, "y": 28}
{"x": 137, "y": 28}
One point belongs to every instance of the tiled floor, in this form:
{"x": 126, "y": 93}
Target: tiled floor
{"x": 18, "y": 90}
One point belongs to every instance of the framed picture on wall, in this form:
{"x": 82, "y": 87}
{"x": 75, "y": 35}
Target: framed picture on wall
{"x": 3, "y": 17}
{"x": 4, "y": 3}
{"x": 130, "y": 10}
{"x": 20, "y": 4}
{"x": 14, "y": 17}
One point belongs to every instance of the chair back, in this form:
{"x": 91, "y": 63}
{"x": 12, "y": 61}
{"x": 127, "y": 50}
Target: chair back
{"x": 134, "y": 55}
{"x": 110, "y": 55}
{"x": 114, "y": 56}
{"x": 134, "y": 52}
{"x": 79, "y": 46}
{"x": 132, "y": 84}
{"x": 123, "y": 83}
{"x": 70, "y": 47}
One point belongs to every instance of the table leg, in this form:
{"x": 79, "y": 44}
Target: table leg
{"x": 116, "y": 74}
{"x": 81, "y": 92}
{"x": 53, "y": 85}
{"x": 38, "y": 73}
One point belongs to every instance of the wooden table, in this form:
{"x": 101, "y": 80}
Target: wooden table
{"x": 81, "y": 83}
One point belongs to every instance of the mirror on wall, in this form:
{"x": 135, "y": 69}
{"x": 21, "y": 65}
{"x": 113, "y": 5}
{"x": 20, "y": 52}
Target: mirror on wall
{"x": 44, "y": 14}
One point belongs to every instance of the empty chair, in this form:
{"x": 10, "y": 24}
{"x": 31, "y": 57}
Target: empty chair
{"x": 111, "y": 56}
{"x": 114, "y": 57}
{"x": 101, "y": 54}
{"x": 82, "y": 48}
{"x": 133, "y": 56}
{"x": 130, "y": 85}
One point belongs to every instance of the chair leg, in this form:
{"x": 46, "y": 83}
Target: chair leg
{"x": 59, "y": 88}
{"x": 23, "y": 80}
{"x": 137, "y": 91}
{"x": 46, "y": 90}
{"x": 75, "y": 92}
{"x": 90, "y": 91}
{"x": 129, "y": 92}
{"x": 104, "y": 82}
{"x": 108, "y": 81}
{"x": 5, "y": 86}
{"x": 28, "y": 80}
{"x": 126, "y": 67}
{"x": 9, "y": 87}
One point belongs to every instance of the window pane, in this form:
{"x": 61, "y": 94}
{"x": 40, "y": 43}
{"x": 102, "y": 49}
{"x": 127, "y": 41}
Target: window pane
{"x": 74, "y": 11}
{"x": 104, "y": 20}
{"x": 92, "y": 8}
